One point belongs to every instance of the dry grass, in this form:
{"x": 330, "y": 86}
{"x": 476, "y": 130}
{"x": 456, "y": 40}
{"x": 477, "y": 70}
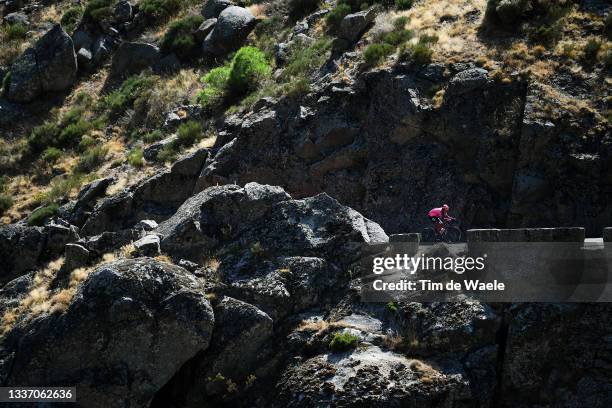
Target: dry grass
{"x": 127, "y": 251}
{"x": 393, "y": 341}
{"x": 164, "y": 258}
{"x": 212, "y": 263}
{"x": 167, "y": 92}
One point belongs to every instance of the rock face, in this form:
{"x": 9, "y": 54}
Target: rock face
{"x": 353, "y": 25}
{"x": 233, "y": 26}
{"x": 212, "y": 8}
{"x": 129, "y": 328}
{"x": 49, "y": 66}
{"x": 134, "y": 57}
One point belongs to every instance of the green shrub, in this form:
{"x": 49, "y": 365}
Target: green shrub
{"x": 39, "y": 215}
{"x": 86, "y": 142}
{"x": 130, "y": 90}
{"x": 135, "y": 157}
{"x": 98, "y": 10}
{"x": 153, "y": 136}
{"x": 167, "y": 154}
{"x": 334, "y": 17}
{"x": 14, "y": 32}
{"x": 343, "y": 341}
{"x": 590, "y": 51}
{"x": 71, "y": 18}
{"x": 419, "y": 53}
{"x": 216, "y": 85}
{"x": 179, "y": 38}
{"x": 73, "y": 133}
{"x": 303, "y": 60}
{"x": 403, "y": 4}
{"x": 375, "y": 53}
{"x": 188, "y": 133}
{"x": 392, "y": 307}
{"x": 91, "y": 159}
{"x": 160, "y": 10}
{"x": 51, "y": 155}
{"x": 6, "y": 202}
{"x": 43, "y": 136}
{"x": 249, "y": 68}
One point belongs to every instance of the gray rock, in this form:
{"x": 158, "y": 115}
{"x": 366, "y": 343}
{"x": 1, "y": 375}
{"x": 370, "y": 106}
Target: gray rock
{"x": 134, "y": 57}
{"x": 109, "y": 241}
{"x": 167, "y": 65}
{"x": 148, "y": 245}
{"x": 16, "y": 18}
{"x": 82, "y": 39}
{"x": 146, "y": 225}
{"x": 21, "y": 247}
{"x": 101, "y": 48}
{"x": 49, "y": 66}
{"x": 467, "y": 81}
{"x": 212, "y": 8}
{"x": 123, "y": 12}
{"x": 233, "y": 26}
{"x": 84, "y": 57}
{"x": 354, "y": 25}
{"x": 150, "y": 152}
{"x": 204, "y": 29}
{"x": 127, "y": 331}
{"x": 76, "y": 256}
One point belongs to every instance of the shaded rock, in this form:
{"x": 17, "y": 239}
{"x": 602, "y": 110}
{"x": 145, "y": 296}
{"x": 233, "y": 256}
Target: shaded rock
{"x": 109, "y": 241}
{"x": 467, "y": 81}
{"x": 127, "y": 331}
{"x": 150, "y": 152}
{"x": 16, "y": 18}
{"x": 146, "y": 225}
{"x": 155, "y": 198}
{"x": 101, "y": 48}
{"x": 82, "y": 39}
{"x": 49, "y": 66}
{"x": 212, "y": 8}
{"x": 167, "y": 65}
{"x": 204, "y": 29}
{"x": 233, "y": 26}
{"x": 123, "y": 12}
{"x": 148, "y": 245}
{"x": 134, "y": 57}
{"x": 76, "y": 256}
{"x": 84, "y": 57}
{"x": 20, "y": 248}
{"x": 354, "y": 25}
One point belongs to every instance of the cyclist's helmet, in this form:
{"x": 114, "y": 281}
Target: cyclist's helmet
{"x": 445, "y": 207}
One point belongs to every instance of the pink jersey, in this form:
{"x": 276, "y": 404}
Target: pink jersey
{"x": 436, "y": 212}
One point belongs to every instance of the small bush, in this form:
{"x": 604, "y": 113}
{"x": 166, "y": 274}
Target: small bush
{"x": 343, "y": 341}
{"x": 179, "y": 38}
{"x": 73, "y": 133}
{"x": 98, "y": 10}
{"x": 590, "y": 51}
{"x": 135, "y": 158}
{"x": 334, "y": 17}
{"x": 153, "y": 136}
{"x": 188, "y": 133}
{"x": 375, "y": 53}
{"x": 14, "y": 32}
{"x": 86, "y": 142}
{"x": 249, "y": 68}
{"x": 51, "y": 155}
{"x": 160, "y": 10}
{"x": 6, "y": 202}
{"x": 91, "y": 159}
{"x": 392, "y": 307}
{"x": 419, "y": 53}
{"x": 216, "y": 85}
{"x": 39, "y": 215}
{"x": 71, "y": 18}
{"x": 403, "y": 4}
{"x": 43, "y": 136}
{"x": 131, "y": 89}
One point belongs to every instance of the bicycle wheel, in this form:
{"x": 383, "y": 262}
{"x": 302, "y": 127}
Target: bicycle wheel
{"x": 452, "y": 234}
{"x": 429, "y": 235}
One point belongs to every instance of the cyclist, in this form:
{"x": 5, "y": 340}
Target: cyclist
{"x": 439, "y": 217}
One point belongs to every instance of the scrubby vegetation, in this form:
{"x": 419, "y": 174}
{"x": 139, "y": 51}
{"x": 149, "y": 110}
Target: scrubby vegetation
{"x": 180, "y": 39}
{"x": 40, "y": 215}
{"x": 159, "y": 10}
{"x": 244, "y": 74}
{"x": 98, "y": 10}
{"x": 342, "y": 341}
{"x": 71, "y": 18}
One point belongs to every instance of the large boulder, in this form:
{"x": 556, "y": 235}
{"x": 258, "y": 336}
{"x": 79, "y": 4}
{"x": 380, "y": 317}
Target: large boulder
{"x": 49, "y": 66}
{"x": 353, "y": 25}
{"x": 233, "y": 26}
{"x": 212, "y": 8}
{"x": 134, "y": 57}
{"x": 129, "y": 328}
